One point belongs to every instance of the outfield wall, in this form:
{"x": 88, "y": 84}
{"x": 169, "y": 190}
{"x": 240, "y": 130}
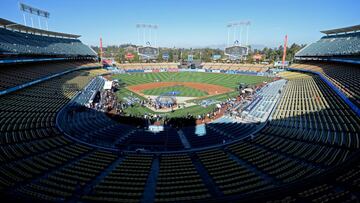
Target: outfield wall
{"x": 253, "y": 73}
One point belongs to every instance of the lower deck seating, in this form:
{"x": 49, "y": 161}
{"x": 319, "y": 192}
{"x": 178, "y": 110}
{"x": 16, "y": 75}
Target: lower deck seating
{"x": 14, "y": 75}
{"x": 125, "y": 183}
{"x": 344, "y": 76}
{"x": 230, "y": 176}
{"x": 71, "y": 179}
{"x": 164, "y": 140}
{"x": 178, "y": 180}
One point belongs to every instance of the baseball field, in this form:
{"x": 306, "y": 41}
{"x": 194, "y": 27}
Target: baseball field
{"x": 201, "y": 86}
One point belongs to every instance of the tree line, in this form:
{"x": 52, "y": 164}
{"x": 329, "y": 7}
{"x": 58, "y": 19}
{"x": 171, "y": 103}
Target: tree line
{"x": 119, "y": 52}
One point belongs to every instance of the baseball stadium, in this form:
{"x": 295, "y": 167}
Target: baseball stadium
{"x": 143, "y": 122}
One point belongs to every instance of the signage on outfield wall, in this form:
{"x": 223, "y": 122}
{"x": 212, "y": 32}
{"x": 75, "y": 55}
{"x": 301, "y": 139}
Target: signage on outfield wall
{"x": 215, "y": 71}
{"x": 173, "y": 70}
{"x": 148, "y": 71}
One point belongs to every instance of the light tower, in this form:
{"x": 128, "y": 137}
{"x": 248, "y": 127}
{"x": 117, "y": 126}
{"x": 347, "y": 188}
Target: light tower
{"x": 238, "y": 50}
{"x": 31, "y": 11}
{"x": 148, "y": 49}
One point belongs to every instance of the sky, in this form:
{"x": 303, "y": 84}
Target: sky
{"x": 191, "y": 23}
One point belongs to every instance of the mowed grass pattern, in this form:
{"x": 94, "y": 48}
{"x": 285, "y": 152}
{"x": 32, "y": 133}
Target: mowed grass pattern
{"x": 226, "y": 80}
{"x": 183, "y": 91}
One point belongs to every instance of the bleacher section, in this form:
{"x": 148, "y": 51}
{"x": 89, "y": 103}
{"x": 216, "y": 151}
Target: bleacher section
{"x": 343, "y": 75}
{"x": 89, "y": 91}
{"x": 178, "y": 180}
{"x": 20, "y": 43}
{"x": 238, "y": 67}
{"x": 125, "y": 183}
{"x": 259, "y": 110}
{"x": 14, "y": 75}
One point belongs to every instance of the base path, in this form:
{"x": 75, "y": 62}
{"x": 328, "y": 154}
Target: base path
{"x": 209, "y": 88}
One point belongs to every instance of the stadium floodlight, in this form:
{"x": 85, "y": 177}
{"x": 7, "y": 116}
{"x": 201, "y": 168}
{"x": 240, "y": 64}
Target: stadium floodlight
{"x": 238, "y": 50}
{"x": 149, "y": 33}
{"x": 34, "y": 11}
{"x": 239, "y": 24}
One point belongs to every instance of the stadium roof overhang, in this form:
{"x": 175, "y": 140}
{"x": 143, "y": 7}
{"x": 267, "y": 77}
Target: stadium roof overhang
{"x": 342, "y": 30}
{"x": 22, "y": 28}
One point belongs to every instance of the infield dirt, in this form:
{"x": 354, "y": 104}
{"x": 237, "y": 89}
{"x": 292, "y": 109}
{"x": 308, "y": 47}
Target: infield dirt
{"x": 209, "y": 88}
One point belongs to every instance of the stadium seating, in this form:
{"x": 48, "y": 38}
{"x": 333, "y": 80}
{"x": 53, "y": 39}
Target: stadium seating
{"x": 340, "y": 44}
{"x": 341, "y": 186}
{"x": 164, "y": 140}
{"x": 344, "y": 76}
{"x": 125, "y": 183}
{"x": 311, "y": 130}
{"x": 230, "y": 176}
{"x": 178, "y": 180}
{"x": 30, "y": 44}
{"x": 267, "y": 98}
{"x": 14, "y": 75}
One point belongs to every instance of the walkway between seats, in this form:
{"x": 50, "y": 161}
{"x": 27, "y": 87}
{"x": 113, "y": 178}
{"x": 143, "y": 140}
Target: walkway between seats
{"x": 253, "y": 168}
{"x": 89, "y": 186}
{"x": 150, "y": 186}
{"x": 183, "y": 139}
{"x": 206, "y": 178}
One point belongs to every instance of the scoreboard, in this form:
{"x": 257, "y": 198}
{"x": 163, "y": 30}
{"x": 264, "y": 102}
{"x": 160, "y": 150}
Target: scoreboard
{"x": 236, "y": 51}
{"x": 148, "y": 52}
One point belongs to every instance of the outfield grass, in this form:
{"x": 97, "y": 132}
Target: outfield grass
{"x": 219, "y": 97}
{"x": 183, "y": 91}
{"x": 226, "y": 80}
{"x": 138, "y": 110}
{"x": 123, "y": 92}
{"x": 192, "y": 110}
